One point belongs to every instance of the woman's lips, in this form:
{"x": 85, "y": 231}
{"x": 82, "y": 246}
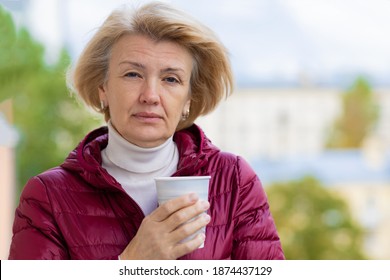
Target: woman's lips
{"x": 147, "y": 117}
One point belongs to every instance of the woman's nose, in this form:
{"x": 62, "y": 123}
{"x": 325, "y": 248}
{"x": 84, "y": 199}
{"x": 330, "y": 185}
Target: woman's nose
{"x": 149, "y": 93}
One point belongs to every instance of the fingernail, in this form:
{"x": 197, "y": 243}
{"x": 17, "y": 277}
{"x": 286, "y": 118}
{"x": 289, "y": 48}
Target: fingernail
{"x": 193, "y": 197}
{"x": 205, "y": 204}
{"x": 206, "y": 217}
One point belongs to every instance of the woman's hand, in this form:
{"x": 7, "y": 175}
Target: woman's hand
{"x": 160, "y": 232}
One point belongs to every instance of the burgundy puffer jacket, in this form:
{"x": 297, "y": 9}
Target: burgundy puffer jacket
{"x": 79, "y": 211}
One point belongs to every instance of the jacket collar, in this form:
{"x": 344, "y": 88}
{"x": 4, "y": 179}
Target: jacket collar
{"x": 193, "y": 146}
{"x": 194, "y": 150}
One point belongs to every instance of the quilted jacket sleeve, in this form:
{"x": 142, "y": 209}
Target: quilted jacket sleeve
{"x": 255, "y": 235}
{"x": 35, "y": 234}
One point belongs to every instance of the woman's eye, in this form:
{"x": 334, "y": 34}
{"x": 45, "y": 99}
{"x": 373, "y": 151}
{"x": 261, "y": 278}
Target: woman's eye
{"x": 171, "y": 80}
{"x": 132, "y": 75}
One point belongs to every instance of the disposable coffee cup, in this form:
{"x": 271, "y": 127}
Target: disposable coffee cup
{"x": 172, "y": 187}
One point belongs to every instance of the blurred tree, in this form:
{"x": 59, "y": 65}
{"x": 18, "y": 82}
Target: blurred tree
{"x": 313, "y": 223}
{"x": 358, "y": 117}
{"x": 49, "y": 121}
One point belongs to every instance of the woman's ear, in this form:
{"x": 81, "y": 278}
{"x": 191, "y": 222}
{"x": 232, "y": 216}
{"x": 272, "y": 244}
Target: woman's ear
{"x": 102, "y": 94}
{"x": 187, "y": 106}
{"x": 186, "y": 110}
{"x": 103, "y": 97}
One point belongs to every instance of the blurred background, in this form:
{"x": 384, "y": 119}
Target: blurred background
{"x": 310, "y": 109}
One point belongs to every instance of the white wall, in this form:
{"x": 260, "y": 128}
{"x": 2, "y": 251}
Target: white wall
{"x": 273, "y": 123}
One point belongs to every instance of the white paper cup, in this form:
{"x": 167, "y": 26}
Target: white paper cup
{"x": 172, "y": 187}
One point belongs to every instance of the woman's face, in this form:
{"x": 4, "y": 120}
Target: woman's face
{"x": 147, "y": 89}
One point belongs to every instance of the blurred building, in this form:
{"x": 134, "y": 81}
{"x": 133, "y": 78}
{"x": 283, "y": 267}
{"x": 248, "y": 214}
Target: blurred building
{"x": 8, "y": 140}
{"x": 273, "y": 123}
{"x": 283, "y": 133}
{"x": 280, "y": 123}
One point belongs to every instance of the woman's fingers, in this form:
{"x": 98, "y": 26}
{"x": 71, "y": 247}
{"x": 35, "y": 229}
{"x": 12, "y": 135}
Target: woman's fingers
{"x": 186, "y": 214}
{"x": 198, "y": 219}
{"x": 190, "y": 228}
{"x": 184, "y": 248}
{"x": 168, "y": 208}
{"x": 161, "y": 233}
{"x": 185, "y": 221}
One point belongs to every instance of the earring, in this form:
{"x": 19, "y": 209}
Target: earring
{"x": 102, "y": 105}
{"x": 185, "y": 115}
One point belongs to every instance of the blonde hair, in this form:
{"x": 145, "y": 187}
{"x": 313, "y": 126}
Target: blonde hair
{"x": 211, "y": 77}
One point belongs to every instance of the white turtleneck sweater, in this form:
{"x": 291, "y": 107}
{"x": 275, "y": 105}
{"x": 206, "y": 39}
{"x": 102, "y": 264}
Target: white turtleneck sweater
{"x": 135, "y": 168}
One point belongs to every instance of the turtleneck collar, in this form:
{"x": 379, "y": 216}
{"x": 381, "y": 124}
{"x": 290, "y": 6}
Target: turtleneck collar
{"x": 136, "y": 159}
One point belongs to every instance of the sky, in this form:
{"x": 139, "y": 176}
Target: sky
{"x": 283, "y": 42}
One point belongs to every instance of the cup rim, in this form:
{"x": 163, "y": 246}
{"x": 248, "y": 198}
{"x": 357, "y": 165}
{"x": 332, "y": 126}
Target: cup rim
{"x": 180, "y": 178}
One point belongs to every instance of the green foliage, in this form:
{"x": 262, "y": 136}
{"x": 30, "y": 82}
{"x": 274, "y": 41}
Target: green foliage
{"x": 313, "y": 223}
{"x": 49, "y": 121}
{"x": 358, "y": 118}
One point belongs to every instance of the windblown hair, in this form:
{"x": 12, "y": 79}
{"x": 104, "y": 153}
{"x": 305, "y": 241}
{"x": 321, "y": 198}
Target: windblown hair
{"x": 211, "y": 77}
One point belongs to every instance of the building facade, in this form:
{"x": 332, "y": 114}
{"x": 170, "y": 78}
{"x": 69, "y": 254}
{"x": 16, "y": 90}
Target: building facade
{"x": 283, "y": 134}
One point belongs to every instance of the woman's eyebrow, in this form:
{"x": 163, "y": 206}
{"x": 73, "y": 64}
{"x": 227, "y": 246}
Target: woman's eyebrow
{"x": 142, "y": 66}
{"x": 173, "y": 69}
{"x": 135, "y": 64}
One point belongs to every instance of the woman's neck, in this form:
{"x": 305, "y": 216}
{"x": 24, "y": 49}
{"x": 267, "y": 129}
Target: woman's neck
{"x": 135, "y": 159}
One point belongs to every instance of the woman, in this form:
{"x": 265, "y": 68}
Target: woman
{"x": 151, "y": 72}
